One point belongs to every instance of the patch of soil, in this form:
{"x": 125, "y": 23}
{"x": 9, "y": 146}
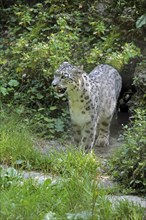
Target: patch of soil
{"x": 115, "y": 140}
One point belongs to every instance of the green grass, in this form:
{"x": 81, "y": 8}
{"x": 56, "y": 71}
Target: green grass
{"x": 76, "y": 195}
{"x": 17, "y": 146}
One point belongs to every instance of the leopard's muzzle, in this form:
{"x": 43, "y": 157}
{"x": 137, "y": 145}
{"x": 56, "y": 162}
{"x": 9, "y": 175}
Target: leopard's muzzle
{"x": 59, "y": 90}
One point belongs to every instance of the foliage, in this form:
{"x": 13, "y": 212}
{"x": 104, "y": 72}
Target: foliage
{"x": 126, "y": 15}
{"x": 140, "y": 80}
{"x": 16, "y": 145}
{"x": 118, "y": 60}
{"x": 35, "y": 38}
{"x": 128, "y": 165}
{"x": 30, "y": 61}
{"x": 77, "y": 197}
{"x": 8, "y": 177}
{"x": 141, "y": 21}
{"x": 115, "y": 58}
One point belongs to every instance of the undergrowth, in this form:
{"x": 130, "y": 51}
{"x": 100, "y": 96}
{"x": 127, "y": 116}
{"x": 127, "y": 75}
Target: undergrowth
{"x": 17, "y": 145}
{"x": 128, "y": 164}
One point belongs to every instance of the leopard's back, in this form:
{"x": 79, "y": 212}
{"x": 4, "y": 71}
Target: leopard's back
{"x": 107, "y": 77}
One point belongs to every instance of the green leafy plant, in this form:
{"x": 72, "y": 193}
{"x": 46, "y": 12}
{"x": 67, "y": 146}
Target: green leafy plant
{"x": 141, "y": 21}
{"x": 9, "y": 176}
{"x": 118, "y": 59}
{"x": 128, "y": 165}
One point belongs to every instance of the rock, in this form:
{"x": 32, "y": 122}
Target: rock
{"x": 140, "y": 77}
{"x": 133, "y": 199}
{"x": 127, "y": 74}
{"x": 101, "y": 8}
{"x": 106, "y": 182}
{"x": 38, "y": 176}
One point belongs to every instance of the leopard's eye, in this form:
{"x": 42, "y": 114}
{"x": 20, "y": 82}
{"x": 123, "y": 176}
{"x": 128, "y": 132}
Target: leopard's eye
{"x": 65, "y": 75}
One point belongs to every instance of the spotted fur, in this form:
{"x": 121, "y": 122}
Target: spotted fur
{"x": 92, "y": 100}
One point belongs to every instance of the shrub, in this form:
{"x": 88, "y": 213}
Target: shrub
{"x": 116, "y": 58}
{"x": 128, "y": 165}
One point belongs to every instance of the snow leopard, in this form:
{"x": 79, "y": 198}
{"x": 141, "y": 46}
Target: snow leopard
{"x": 92, "y": 101}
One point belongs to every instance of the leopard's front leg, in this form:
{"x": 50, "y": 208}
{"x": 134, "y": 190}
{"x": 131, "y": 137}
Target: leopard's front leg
{"x": 104, "y": 132}
{"x": 88, "y": 134}
{"x": 76, "y": 134}
{"x": 104, "y": 125}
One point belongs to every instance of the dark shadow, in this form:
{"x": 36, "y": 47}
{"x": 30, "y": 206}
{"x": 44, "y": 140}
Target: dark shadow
{"x": 119, "y": 120}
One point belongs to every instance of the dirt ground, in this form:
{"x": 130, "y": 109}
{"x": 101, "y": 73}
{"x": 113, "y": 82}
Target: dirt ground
{"x": 116, "y": 139}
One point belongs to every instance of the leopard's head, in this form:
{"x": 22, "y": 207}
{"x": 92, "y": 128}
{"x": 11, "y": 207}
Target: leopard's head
{"x": 66, "y": 76}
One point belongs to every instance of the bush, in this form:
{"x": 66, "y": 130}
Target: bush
{"x": 128, "y": 165}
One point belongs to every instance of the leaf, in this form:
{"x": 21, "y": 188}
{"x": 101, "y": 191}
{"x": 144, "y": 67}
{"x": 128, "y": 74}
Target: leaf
{"x": 52, "y": 108}
{"x": 19, "y": 69}
{"x": 41, "y": 109}
{"x": 19, "y": 162}
{"x": 13, "y": 83}
{"x": 141, "y": 21}
{"x": 3, "y": 61}
{"x": 3, "y": 90}
{"x": 40, "y": 96}
{"x": 48, "y": 119}
{"x": 59, "y": 125}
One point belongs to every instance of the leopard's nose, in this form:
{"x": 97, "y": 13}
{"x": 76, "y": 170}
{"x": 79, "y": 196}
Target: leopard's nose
{"x": 54, "y": 83}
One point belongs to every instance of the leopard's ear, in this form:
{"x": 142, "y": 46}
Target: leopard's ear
{"x": 65, "y": 62}
{"x": 81, "y": 67}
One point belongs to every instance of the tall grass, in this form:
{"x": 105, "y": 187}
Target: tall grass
{"x": 16, "y": 144}
{"x": 77, "y": 197}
